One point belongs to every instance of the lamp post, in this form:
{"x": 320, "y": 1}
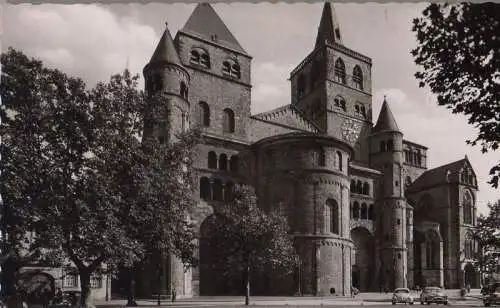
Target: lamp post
{"x": 300, "y": 277}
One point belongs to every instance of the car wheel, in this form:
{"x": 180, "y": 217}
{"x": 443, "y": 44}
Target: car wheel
{"x": 422, "y": 303}
{"x": 411, "y": 303}
{"x": 446, "y": 303}
{"x": 394, "y": 303}
{"x": 486, "y": 304}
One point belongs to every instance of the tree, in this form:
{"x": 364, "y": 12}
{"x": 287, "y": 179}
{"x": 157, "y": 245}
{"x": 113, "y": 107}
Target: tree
{"x": 78, "y": 169}
{"x": 247, "y": 238}
{"x": 19, "y": 147}
{"x": 487, "y": 235}
{"x": 459, "y": 56}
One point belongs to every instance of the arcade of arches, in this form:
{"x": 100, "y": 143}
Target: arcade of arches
{"x": 362, "y": 260}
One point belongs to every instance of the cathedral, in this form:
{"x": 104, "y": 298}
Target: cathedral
{"x": 363, "y": 208}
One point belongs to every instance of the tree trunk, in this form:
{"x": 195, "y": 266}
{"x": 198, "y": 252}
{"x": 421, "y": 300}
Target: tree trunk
{"x": 10, "y": 270}
{"x": 85, "y": 299}
{"x": 247, "y": 291}
{"x": 131, "y": 288}
{"x": 160, "y": 280}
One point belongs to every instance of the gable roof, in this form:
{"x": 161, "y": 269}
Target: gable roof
{"x": 206, "y": 24}
{"x": 438, "y": 175}
{"x": 289, "y": 116}
{"x": 386, "y": 121}
{"x": 329, "y": 29}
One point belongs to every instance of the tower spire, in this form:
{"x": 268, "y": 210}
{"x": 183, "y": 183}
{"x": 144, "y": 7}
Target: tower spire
{"x": 165, "y": 51}
{"x": 386, "y": 120}
{"x": 329, "y": 28}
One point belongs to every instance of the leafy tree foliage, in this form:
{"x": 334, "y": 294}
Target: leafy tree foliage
{"x": 487, "y": 235}
{"x": 247, "y": 238}
{"x": 459, "y": 56}
{"x": 79, "y": 171}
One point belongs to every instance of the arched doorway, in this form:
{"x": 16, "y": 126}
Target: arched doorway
{"x": 363, "y": 259}
{"x": 428, "y": 254}
{"x": 471, "y": 276}
{"x": 212, "y": 280}
{"x": 216, "y": 276}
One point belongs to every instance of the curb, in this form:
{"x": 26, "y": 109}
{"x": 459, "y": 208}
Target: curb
{"x": 334, "y": 301}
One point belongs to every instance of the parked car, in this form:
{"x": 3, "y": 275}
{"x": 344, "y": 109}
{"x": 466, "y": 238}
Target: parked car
{"x": 491, "y": 295}
{"x": 402, "y": 295}
{"x": 433, "y": 295}
{"x": 72, "y": 297}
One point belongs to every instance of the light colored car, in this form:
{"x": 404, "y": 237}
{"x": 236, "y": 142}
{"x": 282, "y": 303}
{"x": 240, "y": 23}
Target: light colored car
{"x": 433, "y": 295}
{"x": 402, "y": 295}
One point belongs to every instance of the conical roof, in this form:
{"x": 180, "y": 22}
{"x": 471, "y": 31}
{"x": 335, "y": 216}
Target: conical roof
{"x": 329, "y": 28}
{"x": 165, "y": 52}
{"x": 386, "y": 121}
{"x": 206, "y": 24}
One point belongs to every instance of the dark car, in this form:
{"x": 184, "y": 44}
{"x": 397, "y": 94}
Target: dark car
{"x": 433, "y": 295}
{"x": 491, "y": 295}
{"x": 66, "y": 299}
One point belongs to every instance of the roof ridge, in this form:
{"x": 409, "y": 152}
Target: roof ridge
{"x": 448, "y": 164}
{"x": 303, "y": 118}
{"x": 279, "y": 111}
{"x": 436, "y": 175}
{"x": 266, "y": 114}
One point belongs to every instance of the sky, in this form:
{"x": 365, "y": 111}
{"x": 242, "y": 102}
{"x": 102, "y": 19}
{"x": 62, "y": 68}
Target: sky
{"x": 94, "y": 41}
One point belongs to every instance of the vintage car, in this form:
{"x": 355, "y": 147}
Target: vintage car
{"x": 433, "y": 295}
{"x": 402, "y": 295}
{"x": 491, "y": 295}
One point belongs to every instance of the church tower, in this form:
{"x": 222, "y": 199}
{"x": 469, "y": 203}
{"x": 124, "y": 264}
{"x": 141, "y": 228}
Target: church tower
{"x": 386, "y": 153}
{"x": 219, "y": 93}
{"x": 220, "y": 74}
{"x": 332, "y": 87}
{"x": 167, "y": 85}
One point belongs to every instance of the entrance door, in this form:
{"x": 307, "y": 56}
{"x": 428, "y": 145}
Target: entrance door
{"x": 356, "y": 277}
{"x": 470, "y": 276}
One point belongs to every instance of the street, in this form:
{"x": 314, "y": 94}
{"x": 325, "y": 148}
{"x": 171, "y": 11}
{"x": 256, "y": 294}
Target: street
{"x": 367, "y": 299}
{"x": 311, "y": 304}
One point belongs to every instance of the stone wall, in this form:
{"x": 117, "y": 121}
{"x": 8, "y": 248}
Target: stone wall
{"x": 218, "y": 91}
{"x": 288, "y": 164}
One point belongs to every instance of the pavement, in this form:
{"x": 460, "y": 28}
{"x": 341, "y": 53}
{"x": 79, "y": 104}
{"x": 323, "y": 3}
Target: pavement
{"x": 362, "y": 299}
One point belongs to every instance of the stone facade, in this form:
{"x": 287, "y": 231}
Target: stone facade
{"x": 66, "y": 279}
{"x": 363, "y": 208}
